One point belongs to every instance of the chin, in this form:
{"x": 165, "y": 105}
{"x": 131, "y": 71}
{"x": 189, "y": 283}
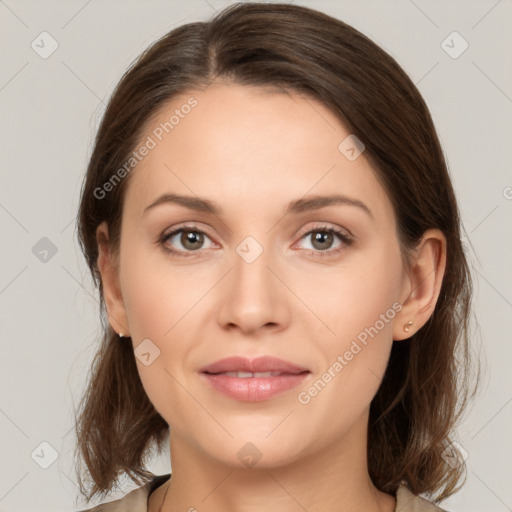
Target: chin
{"x": 255, "y": 452}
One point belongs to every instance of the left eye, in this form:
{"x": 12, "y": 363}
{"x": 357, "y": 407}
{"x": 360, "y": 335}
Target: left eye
{"x": 325, "y": 236}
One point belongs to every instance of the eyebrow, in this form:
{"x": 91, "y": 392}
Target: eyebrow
{"x": 296, "y": 206}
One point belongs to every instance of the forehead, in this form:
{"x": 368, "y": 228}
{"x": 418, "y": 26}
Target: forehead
{"x": 244, "y": 146}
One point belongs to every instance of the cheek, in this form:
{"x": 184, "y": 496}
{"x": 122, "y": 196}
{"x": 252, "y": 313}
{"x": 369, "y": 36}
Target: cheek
{"x": 360, "y": 309}
{"x": 156, "y": 293}
{"x": 157, "y": 301}
{"x": 374, "y": 289}
{"x": 355, "y": 295}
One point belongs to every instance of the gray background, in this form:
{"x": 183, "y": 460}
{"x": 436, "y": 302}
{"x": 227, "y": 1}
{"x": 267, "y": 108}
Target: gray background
{"x": 50, "y": 110}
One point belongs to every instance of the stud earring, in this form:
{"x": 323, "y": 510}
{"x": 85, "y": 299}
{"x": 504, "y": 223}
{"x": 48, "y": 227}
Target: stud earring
{"x": 406, "y": 326}
{"x": 121, "y": 335}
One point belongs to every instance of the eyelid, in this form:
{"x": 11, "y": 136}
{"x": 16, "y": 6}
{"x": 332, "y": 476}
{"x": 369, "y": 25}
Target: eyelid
{"x": 304, "y": 231}
{"x": 186, "y": 226}
{"x": 327, "y": 226}
{"x": 191, "y": 226}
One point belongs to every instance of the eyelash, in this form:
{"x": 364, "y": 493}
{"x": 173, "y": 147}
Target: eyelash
{"x": 345, "y": 239}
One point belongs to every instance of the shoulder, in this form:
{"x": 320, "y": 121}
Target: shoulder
{"x": 134, "y": 501}
{"x": 406, "y": 501}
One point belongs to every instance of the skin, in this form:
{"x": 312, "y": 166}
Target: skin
{"x": 253, "y": 151}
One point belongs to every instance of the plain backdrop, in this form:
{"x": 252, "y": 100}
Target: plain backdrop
{"x": 51, "y": 106}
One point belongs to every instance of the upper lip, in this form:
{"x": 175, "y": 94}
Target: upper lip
{"x": 260, "y": 364}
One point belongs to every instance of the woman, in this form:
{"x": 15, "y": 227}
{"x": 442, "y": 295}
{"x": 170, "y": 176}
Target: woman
{"x": 268, "y": 214}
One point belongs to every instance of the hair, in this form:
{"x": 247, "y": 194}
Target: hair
{"x": 292, "y": 49}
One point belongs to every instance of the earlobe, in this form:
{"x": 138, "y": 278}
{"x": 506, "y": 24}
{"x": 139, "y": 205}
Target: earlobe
{"x": 425, "y": 277}
{"x": 109, "y": 270}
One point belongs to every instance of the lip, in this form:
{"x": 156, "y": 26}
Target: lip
{"x": 253, "y": 389}
{"x": 260, "y": 364}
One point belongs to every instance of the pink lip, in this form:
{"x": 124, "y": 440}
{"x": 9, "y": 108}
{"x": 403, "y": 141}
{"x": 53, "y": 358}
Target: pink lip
{"x": 260, "y": 364}
{"x": 253, "y": 389}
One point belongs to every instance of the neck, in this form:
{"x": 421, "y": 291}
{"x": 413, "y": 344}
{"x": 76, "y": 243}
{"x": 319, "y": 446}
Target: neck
{"x": 332, "y": 479}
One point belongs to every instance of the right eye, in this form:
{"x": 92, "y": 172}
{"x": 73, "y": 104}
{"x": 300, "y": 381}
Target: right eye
{"x": 190, "y": 237}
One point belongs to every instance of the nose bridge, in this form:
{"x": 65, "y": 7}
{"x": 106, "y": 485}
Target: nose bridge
{"x": 254, "y": 296}
{"x": 251, "y": 274}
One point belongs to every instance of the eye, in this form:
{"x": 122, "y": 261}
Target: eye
{"x": 189, "y": 237}
{"x": 192, "y": 240}
{"x": 323, "y": 237}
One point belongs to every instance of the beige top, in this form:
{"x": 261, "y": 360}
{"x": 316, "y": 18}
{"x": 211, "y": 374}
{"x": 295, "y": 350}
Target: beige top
{"x": 137, "y": 500}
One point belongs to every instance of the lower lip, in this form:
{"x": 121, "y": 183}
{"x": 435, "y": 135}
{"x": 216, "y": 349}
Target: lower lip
{"x": 254, "y": 389}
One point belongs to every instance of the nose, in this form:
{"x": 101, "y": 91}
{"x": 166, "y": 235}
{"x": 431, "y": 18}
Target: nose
{"x": 254, "y": 295}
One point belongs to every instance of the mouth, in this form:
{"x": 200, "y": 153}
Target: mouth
{"x": 253, "y": 386}
{"x": 245, "y": 367}
{"x": 253, "y": 380}
{"x": 247, "y": 375}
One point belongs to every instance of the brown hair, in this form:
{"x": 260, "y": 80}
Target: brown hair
{"x": 293, "y": 49}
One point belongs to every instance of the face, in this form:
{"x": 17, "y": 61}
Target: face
{"x": 318, "y": 287}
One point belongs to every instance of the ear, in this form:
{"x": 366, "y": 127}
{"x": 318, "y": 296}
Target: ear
{"x": 108, "y": 266}
{"x": 423, "y": 284}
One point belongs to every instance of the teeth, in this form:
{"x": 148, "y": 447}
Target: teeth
{"x": 245, "y": 375}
